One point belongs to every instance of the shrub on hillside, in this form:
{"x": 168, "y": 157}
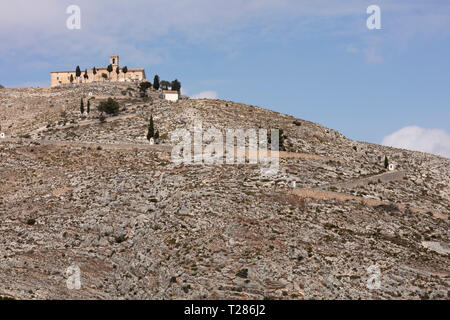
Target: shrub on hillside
{"x": 110, "y": 106}
{"x": 143, "y": 86}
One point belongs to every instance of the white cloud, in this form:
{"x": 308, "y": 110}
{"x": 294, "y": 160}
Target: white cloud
{"x": 145, "y": 33}
{"x": 435, "y": 141}
{"x": 114, "y": 24}
{"x": 205, "y": 95}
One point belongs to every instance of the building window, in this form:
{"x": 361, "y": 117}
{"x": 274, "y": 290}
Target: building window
{"x": 114, "y": 61}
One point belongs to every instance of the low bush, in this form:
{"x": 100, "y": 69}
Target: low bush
{"x": 110, "y": 106}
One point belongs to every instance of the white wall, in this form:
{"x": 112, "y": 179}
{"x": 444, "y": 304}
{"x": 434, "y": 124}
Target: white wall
{"x": 171, "y": 97}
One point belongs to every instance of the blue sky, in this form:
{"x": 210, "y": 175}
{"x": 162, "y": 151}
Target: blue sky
{"x": 315, "y": 60}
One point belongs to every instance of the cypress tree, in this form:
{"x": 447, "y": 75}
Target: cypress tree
{"x": 82, "y": 106}
{"x": 78, "y": 72}
{"x": 89, "y": 106}
{"x": 151, "y": 129}
{"x": 156, "y": 82}
{"x": 124, "y": 70}
{"x": 386, "y": 162}
{"x": 110, "y": 69}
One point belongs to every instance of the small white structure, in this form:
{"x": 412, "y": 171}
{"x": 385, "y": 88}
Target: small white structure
{"x": 294, "y": 184}
{"x": 171, "y": 95}
{"x": 2, "y": 135}
{"x": 152, "y": 141}
{"x": 392, "y": 167}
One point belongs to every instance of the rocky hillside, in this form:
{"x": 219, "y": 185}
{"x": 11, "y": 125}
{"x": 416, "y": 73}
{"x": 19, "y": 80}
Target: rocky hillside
{"x": 77, "y": 192}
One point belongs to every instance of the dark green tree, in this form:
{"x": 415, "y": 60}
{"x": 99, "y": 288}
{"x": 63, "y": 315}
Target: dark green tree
{"x": 156, "y": 82}
{"x": 104, "y": 76}
{"x": 109, "y": 69}
{"x": 78, "y": 72}
{"x": 143, "y": 86}
{"x": 151, "y": 129}
{"x": 164, "y": 85}
{"x": 386, "y": 162}
{"x": 110, "y": 106}
{"x": 124, "y": 70}
{"x": 85, "y": 75}
{"x": 94, "y": 71}
{"x": 82, "y": 106}
{"x": 117, "y": 72}
{"x": 157, "y": 135}
{"x": 89, "y": 107}
{"x": 176, "y": 85}
{"x": 71, "y": 78}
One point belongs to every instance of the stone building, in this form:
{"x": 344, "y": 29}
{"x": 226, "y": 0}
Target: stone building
{"x": 63, "y": 77}
{"x": 171, "y": 95}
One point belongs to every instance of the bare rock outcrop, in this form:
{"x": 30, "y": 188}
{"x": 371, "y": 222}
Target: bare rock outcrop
{"x": 78, "y": 194}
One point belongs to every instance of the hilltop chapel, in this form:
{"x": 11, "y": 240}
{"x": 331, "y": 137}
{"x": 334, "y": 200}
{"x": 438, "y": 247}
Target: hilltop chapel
{"x": 64, "y": 77}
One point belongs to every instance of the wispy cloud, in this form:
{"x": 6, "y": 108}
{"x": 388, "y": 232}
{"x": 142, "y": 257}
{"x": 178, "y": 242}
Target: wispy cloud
{"x": 113, "y": 24}
{"x": 205, "y": 95}
{"x": 146, "y": 33}
{"x": 435, "y": 141}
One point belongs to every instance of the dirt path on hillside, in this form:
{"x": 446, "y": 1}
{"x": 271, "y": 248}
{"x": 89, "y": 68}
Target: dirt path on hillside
{"x": 106, "y": 146}
{"x": 379, "y": 178}
{"x": 318, "y": 193}
{"x": 253, "y": 154}
{"x": 164, "y": 148}
{"x": 322, "y": 194}
{"x": 84, "y": 123}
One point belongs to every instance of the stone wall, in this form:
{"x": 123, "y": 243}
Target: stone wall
{"x": 60, "y": 78}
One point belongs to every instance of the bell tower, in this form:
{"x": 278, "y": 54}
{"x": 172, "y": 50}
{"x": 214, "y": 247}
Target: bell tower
{"x": 114, "y": 61}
